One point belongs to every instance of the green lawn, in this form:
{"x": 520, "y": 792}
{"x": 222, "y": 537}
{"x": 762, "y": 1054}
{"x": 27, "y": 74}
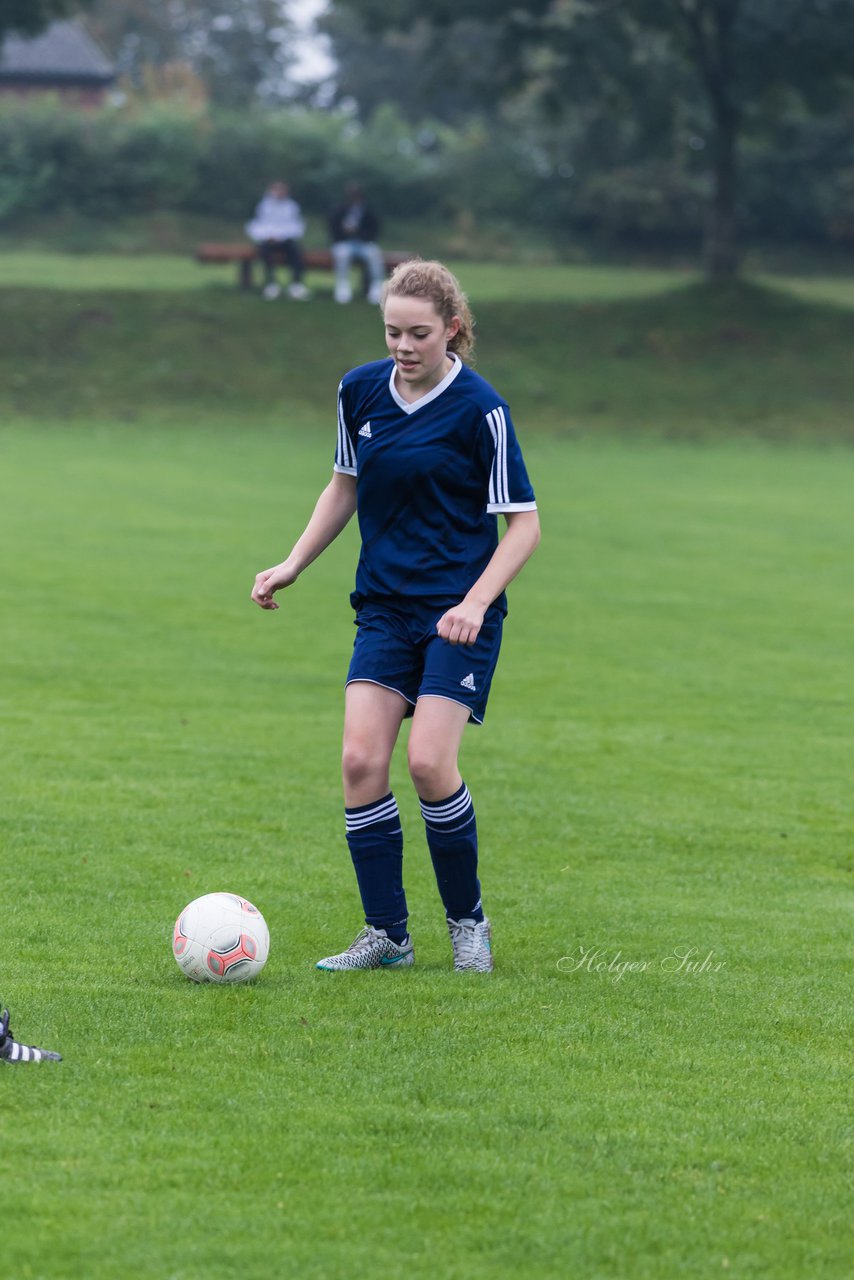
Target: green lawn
{"x": 172, "y": 272}
{"x": 49, "y": 269}
{"x": 693, "y": 362}
{"x": 664, "y": 768}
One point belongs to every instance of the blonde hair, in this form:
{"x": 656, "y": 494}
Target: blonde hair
{"x": 433, "y": 281}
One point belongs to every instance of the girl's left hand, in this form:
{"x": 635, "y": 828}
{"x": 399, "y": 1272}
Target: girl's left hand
{"x": 462, "y": 624}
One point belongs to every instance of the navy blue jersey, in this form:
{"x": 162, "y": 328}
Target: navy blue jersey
{"x": 430, "y": 478}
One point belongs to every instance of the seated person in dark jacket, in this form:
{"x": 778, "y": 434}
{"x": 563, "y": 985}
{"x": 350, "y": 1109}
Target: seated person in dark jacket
{"x": 354, "y": 227}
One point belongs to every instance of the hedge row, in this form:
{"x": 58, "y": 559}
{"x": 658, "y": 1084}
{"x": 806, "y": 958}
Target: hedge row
{"x": 111, "y": 162}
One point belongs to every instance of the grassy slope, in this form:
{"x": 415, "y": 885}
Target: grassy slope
{"x": 691, "y": 362}
{"x": 670, "y": 719}
{"x": 173, "y": 272}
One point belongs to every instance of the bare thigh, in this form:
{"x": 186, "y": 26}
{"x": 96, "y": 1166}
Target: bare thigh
{"x": 372, "y": 719}
{"x": 434, "y": 745}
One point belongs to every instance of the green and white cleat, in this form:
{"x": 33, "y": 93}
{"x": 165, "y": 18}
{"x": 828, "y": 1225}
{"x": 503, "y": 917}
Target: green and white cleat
{"x": 372, "y": 949}
{"x": 472, "y": 941}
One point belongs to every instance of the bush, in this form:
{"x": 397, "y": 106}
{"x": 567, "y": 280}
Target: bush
{"x": 133, "y": 161}
{"x": 100, "y": 164}
{"x": 591, "y": 176}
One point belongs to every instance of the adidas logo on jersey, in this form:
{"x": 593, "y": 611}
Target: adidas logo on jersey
{"x": 365, "y": 430}
{"x": 468, "y": 682}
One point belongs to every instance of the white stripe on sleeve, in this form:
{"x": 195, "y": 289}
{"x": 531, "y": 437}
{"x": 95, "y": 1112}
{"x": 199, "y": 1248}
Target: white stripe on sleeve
{"x": 346, "y": 458}
{"x": 498, "y": 489}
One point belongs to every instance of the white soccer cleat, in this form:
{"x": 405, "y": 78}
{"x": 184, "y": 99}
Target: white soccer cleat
{"x": 271, "y": 292}
{"x": 472, "y": 942}
{"x": 372, "y": 949}
{"x": 298, "y": 291}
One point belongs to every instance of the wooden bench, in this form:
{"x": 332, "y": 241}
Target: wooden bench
{"x": 246, "y": 255}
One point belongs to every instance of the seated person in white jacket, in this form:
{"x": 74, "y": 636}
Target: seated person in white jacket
{"x": 277, "y": 228}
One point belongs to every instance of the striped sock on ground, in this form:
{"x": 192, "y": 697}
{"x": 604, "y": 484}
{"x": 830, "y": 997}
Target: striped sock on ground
{"x": 12, "y": 1051}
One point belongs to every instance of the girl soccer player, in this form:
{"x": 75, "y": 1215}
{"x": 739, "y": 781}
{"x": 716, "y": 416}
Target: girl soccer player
{"x": 427, "y": 457}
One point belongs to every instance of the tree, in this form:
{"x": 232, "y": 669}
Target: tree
{"x": 238, "y": 48}
{"x": 424, "y": 77}
{"x": 29, "y": 17}
{"x": 734, "y": 61}
{"x": 749, "y": 55}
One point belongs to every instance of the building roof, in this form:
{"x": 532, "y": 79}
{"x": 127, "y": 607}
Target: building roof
{"x": 64, "y": 53}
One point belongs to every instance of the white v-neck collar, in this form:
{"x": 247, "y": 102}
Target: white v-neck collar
{"x": 430, "y": 395}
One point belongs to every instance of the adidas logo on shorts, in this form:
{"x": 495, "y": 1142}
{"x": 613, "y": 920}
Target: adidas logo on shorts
{"x": 468, "y": 682}
{"x": 365, "y": 430}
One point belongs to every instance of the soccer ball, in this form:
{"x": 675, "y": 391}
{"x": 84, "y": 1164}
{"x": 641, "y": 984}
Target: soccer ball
{"x": 220, "y": 937}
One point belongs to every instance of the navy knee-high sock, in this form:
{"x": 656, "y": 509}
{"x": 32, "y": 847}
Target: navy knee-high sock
{"x": 376, "y": 846}
{"x": 452, "y": 840}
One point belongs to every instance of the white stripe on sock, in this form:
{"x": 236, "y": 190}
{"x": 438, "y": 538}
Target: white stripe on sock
{"x": 461, "y": 798}
{"x": 452, "y": 815}
{"x": 379, "y": 813}
{"x": 447, "y": 812}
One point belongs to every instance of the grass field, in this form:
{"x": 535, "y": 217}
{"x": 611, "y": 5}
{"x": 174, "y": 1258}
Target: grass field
{"x": 178, "y": 273}
{"x": 664, "y": 772}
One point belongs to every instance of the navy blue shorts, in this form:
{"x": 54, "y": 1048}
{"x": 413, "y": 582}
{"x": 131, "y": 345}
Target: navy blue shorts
{"x": 401, "y": 651}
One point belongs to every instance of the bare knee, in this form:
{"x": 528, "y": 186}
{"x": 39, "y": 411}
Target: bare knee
{"x": 433, "y": 773}
{"x": 364, "y": 768}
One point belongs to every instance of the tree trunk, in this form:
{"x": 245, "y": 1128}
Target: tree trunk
{"x": 710, "y": 29}
{"x": 721, "y": 248}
